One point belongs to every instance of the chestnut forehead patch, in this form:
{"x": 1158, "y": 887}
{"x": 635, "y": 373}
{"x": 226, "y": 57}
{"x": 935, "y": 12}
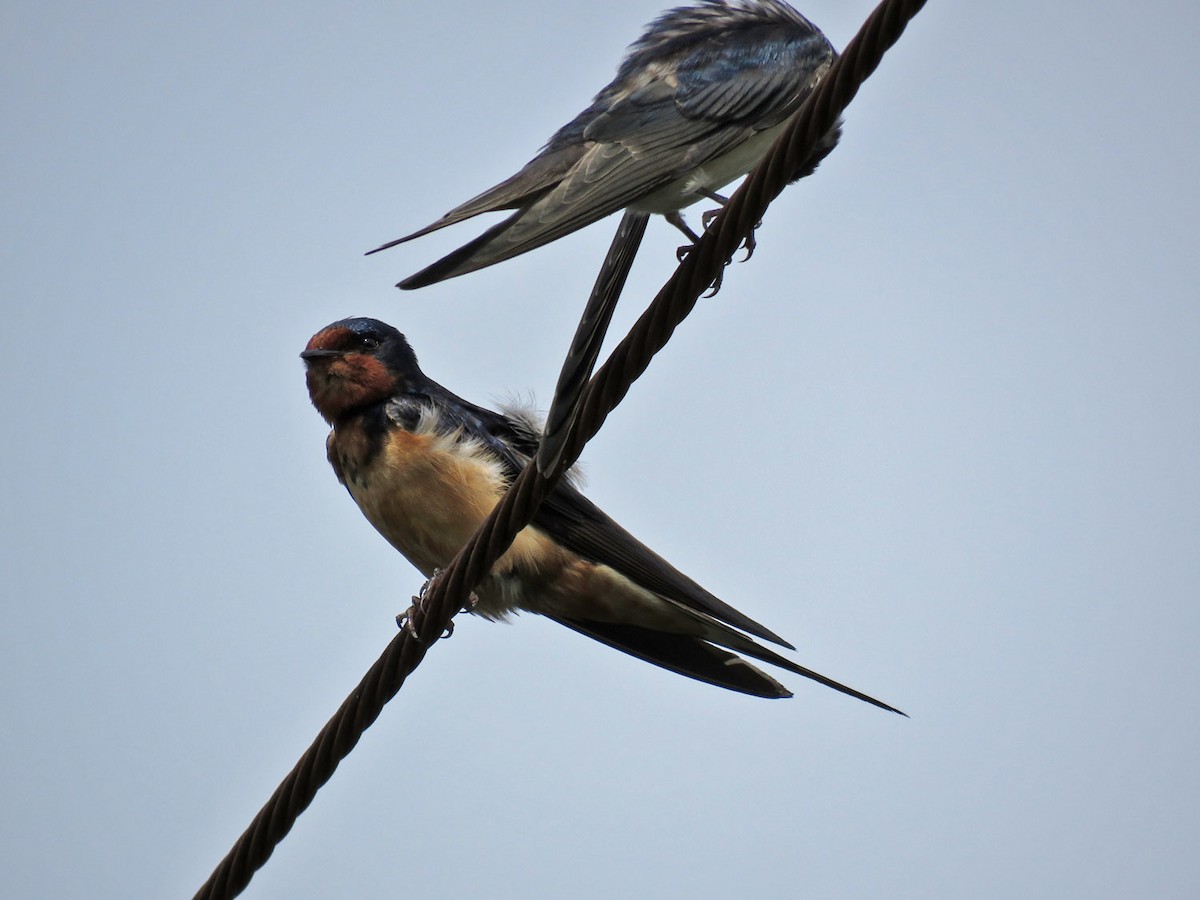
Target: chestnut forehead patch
{"x": 333, "y": 338}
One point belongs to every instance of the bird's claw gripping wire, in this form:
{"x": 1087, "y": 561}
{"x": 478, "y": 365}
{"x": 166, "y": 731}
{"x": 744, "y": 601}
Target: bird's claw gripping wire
{"x": 413, "y": 618}
{"x": 706, "y": 220}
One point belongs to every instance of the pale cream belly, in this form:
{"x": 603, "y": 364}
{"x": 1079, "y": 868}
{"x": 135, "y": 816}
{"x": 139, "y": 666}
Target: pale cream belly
{"x": 712, "y": 176}
{"x": 427, "y": 494}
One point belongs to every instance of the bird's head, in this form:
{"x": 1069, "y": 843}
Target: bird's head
{"x": 356, "y": 363}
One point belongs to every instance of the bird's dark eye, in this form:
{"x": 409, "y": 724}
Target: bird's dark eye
{"x": 368, "y": 343}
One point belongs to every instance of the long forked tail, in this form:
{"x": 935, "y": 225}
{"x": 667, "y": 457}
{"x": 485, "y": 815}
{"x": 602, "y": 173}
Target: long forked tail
{"x": 699, "y": 659}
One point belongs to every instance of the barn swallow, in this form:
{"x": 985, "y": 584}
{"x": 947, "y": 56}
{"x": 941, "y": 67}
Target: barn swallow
{"x": 426, "y": 467}
{"x": 697, "y": 101}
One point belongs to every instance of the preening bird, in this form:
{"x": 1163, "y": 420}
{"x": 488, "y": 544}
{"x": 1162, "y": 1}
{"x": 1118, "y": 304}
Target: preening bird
{"x": 696, "y": 103}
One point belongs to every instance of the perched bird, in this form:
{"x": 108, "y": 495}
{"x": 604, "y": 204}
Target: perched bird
{"x": 696, "y": 103}
{"x": 426, "y": 467}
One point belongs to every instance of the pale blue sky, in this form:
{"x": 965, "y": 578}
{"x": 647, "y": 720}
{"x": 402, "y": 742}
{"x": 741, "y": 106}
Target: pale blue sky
{"x": 942, "y": 432}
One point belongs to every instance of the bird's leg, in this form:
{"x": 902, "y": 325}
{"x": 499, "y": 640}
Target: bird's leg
{"x": 707, "y": 217}
{"x": 676, "y": 219}
{"x": 414, "y": 617}
{"x": 710, "y": 214}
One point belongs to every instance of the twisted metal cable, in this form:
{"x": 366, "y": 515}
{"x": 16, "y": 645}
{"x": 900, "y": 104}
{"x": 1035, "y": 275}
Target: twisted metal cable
{"x": 738, "y": 218}
{"x": 448, "y": 592}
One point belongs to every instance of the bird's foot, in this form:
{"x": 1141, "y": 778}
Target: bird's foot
{"x": 676, "y": 219}
{"x": 750, "y": 244}
{"x": 716, "y": 285}
{"x": 706, "y": 219}
{"x": 413, "y": 618}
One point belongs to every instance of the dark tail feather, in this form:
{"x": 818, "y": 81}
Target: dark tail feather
{"x": 822, "y": 150}
{"x": 682, "y": 654}
{"x": 593, "y": 325}
{"x": 520, "y": 191}
{"x": 696, "y": 658}
{"x": 740, "y": 643}
{"x": 775, "y": 659}
{"x": 460, "y": 261}
{"x": 440, "y": 223}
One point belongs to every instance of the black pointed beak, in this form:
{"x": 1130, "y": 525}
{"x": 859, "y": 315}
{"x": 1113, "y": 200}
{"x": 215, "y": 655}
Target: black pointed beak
{"x": 311, "y": 355}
